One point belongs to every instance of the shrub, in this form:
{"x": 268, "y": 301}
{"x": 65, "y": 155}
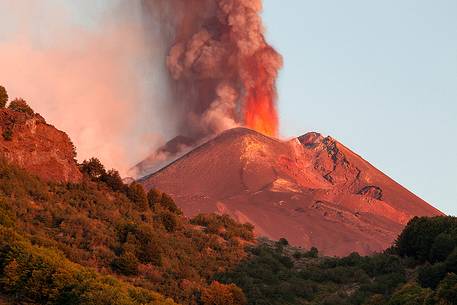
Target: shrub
{"x": 410, "y": 294}
{"x": 282, "y": 242}
{"x": 126, "y": 264}
{"x": 3, "y": 97}
{"x": 20, "y": 105}
{"x": 220, "y": 294}
{"x": 313, "y": 253}
{"x": 430, "y": 275}
{"x": 447, "y": 289}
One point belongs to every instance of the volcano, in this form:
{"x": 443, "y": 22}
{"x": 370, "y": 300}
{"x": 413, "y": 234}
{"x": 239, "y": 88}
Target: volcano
{"x": 311, "y": 190}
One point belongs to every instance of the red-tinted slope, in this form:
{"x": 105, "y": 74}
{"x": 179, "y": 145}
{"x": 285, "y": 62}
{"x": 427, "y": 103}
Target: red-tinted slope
{"x": 311, "y": 190}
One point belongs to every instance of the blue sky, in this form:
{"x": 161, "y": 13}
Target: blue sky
{"x": 381, "y": 77}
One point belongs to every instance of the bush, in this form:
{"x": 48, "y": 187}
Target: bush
{"x": 126, "y": 264}
{"x": 282, "y": 242}
{"x": 20, "y": 105}
{"x": 313, "y": 253}
{"x": 409, "y": 294}
{"x": 220, "y": 294}
{"x": 3, "y": 97}
{"x": 429, "y": 276}
{"x": 447, "y": 289}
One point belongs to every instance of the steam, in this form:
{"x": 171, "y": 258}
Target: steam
{"x": 222, "y": 71}
{"x": 89, "y": 72}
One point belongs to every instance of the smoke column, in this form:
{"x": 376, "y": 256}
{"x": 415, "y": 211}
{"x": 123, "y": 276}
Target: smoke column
{"x": 222, "y": 71}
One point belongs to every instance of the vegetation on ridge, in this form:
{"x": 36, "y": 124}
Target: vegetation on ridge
{"x": 97, "y": 229}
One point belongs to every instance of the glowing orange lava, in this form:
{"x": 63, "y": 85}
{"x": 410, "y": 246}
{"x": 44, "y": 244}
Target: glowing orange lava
{"x": 260, "y": 110}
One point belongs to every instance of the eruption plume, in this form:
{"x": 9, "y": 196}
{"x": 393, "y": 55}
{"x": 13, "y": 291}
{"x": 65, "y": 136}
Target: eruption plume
{"x": 222, "y": 71}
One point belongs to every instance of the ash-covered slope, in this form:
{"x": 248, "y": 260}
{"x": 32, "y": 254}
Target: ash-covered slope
{"x": 311, "y": 190}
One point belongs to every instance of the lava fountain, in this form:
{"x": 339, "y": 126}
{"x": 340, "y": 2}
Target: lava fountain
{"x": 260, "y": 112}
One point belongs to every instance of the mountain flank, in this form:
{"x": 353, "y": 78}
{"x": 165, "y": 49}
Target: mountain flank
{"x": 311, "y": 190}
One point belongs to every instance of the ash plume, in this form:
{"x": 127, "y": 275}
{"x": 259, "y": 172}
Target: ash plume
{"x": 222, "y": 71}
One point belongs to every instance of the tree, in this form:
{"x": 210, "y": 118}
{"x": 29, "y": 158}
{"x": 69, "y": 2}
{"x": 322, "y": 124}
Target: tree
{"x": 3, "y": 97}
{"x": 93, "y": 168}
{"x": 137, "y": 194}
{"x": 154, "y": 197}
{"x": 20, "y": 105}
{"x": 167, "y": 202}
{"x": 113, "y": 179}
{"x": 169, "y": 221}
{"x": 442, "y": 247}
{"x": 451, "y": 262}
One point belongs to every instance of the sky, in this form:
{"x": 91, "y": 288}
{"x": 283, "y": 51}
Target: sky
{"x": 380, "y": 77}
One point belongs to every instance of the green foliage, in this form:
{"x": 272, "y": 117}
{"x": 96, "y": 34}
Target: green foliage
{"x": 410, "y": 294}
{"x": 44, "y": 276}
{"x": 423, "y": 237}
{"x": 94, "y": 224}
{"x": 126, "y": 264}
{"x": 279, "y": 274}
{"x": 20, "y": 105}
{"x": 3, "y": 97}
{"x": 447, "y": 290}
{"x": 224, "y": 226}
{"x": 431, "y": 275}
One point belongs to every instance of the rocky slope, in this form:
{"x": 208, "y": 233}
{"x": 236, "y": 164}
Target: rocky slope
{"x": 28, "y": 141}
{"x": 311, "y": 190}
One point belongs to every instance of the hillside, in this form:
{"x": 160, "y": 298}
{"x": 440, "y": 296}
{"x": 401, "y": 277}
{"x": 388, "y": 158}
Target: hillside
{"x": 311, "y": 190}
